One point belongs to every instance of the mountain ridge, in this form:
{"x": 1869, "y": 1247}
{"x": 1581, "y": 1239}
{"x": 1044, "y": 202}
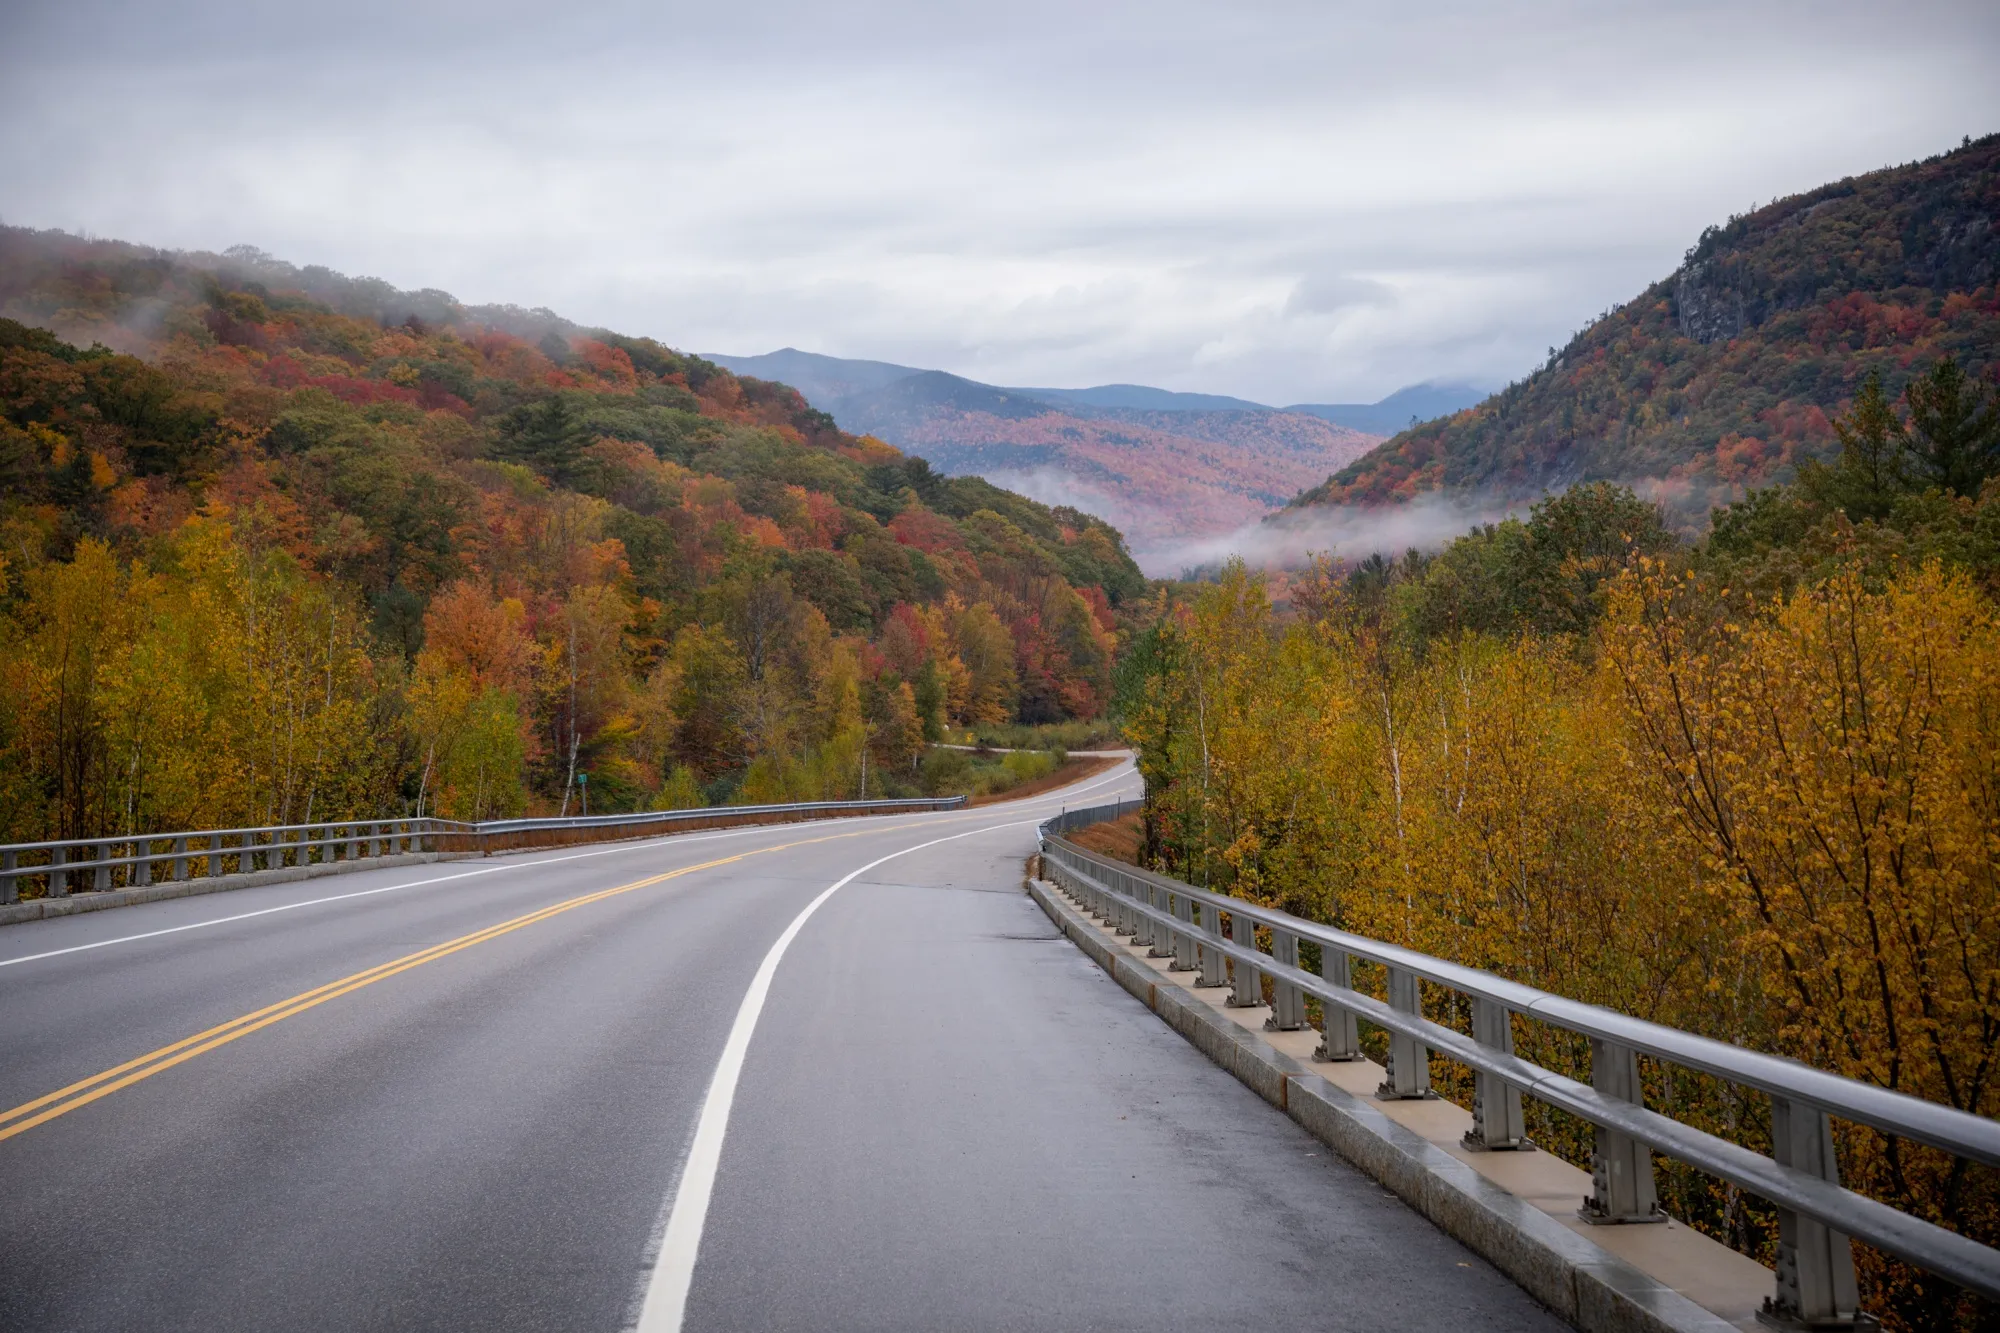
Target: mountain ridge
{"x": 1725, "y": 375}
{"x": 819, "y": 376}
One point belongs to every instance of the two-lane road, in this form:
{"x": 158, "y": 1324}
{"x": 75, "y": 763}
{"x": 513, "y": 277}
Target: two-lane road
{"x": 488, "y": 1095}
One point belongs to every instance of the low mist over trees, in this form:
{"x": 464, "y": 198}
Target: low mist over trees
{"x": 317, "y": 554}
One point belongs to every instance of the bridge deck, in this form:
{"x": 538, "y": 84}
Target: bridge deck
{"x": 947, "y": 1116}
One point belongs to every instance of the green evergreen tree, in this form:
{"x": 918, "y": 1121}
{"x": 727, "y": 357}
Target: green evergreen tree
{"x": 549, "y": 436}
{"x": 1874, "y": 463}
{"x": 1956, "y": 426}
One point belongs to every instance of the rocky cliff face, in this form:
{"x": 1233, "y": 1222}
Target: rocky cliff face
{"x": 1705, "y": 312}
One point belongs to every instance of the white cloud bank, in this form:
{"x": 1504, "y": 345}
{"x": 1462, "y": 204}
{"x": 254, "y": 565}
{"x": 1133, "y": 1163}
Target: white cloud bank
{"x": 1291, "y": 539}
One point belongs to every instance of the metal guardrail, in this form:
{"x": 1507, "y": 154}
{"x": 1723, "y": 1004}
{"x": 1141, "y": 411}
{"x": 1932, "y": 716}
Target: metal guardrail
{"x": 795, "y": 810}
{"x": 1070, "y": 819}
{"x": 1816, "y": 1216}
{"x": 129, "y": 860}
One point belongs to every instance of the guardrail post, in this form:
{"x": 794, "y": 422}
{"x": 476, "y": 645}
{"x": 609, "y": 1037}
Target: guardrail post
{"x": 1621, "y": 1167}
{"x": 1185, "y": 947}
{"x": 141, "y": 873}
{"x": 1142, "y": 922}
{"x": 1165, "y": 937}
{"x": 1496, "y": 1104}
{"x": 1409, "y": 1068}
{"x": 1816, "y": 1286}
{"x": 100, "y": 852}
{"x": 180, "y": 859}
{"x": 9, "y": 893}
{"x": 1081, "y": 890}
{"x": 1214, "y": 967}
{"x": 1340, "y": 1039}
{"x": 58, "y": 877}
{"x": 1249, "y": 987}
{"x": 1288, "y": 1002}
{"x": 1125, "y": 921}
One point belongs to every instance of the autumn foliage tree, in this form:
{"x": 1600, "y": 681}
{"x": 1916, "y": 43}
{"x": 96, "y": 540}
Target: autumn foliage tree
{"x": 1750, "y": 789}
{"x": 323, "y": 549}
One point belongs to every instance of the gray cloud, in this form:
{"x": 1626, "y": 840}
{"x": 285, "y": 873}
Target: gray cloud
{"x": 1330, "y": 293}
{"x": 1285, "y": 201}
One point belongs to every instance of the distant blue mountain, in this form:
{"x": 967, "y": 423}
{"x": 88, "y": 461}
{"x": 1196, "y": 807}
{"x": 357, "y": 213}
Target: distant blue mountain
{"x": 1419, "y": 402}
{"x": 901, "y": 406}
{"x": 833, "y": 383}
{"x": 824, "y": 380}
{"x": 1146, "y": 399}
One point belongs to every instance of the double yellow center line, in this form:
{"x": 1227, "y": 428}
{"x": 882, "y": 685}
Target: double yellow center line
{"x": 64, "y": 1100}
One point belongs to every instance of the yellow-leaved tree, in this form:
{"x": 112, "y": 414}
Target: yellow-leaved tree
{"x": 1836, "y": 758}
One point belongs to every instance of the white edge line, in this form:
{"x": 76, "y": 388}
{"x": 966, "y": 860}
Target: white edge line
{"x": 680, "y": 1243}
{"x": 637, "y": 845}
{"x": 677, "y": 1241}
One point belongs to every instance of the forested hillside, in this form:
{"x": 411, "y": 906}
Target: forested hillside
{"x": 1724, "y": 376}
{"x": 324, "y": 547}
{"x": 1748, "y": 787}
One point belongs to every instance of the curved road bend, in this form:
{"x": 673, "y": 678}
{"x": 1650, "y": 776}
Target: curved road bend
{"x": 470, "y": 1100}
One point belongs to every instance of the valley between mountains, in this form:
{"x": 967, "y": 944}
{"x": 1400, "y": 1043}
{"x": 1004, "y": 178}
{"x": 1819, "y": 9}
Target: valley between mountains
{"x": 1175, "y": 472}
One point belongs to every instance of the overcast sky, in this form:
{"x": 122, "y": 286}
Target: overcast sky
{"x": 1289, "y": 202}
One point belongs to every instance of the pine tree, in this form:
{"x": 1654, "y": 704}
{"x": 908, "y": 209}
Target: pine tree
{"x": 1957, "y": 428}
{"x": 1874, "y": 464}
